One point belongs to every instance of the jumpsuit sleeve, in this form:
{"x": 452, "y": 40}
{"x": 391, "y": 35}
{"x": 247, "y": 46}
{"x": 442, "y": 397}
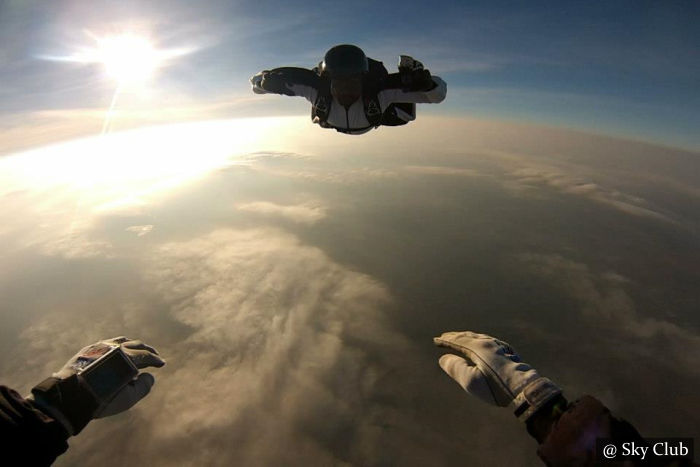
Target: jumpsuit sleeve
{"x": 289, "y": 81}
{"x": 567, "y": 433}
{"x": 27, "y": 435}
{"x": 394, "y": 94}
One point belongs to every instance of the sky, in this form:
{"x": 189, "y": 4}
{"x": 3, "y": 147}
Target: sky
{"x": 625, "y": 68}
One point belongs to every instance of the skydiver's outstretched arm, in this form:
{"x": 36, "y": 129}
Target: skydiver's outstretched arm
{"x": 289, "y": 81}
{"x": 432, "y": 90}
{"x": 27, "y": 434}
{"x": 101, "y": 380}
{"x": 412, "y": 84}
{"x": 491, "y": 370}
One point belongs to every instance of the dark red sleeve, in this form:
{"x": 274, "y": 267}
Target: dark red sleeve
{"x": 27, "y": 435}
{"x": 567, "y": 433}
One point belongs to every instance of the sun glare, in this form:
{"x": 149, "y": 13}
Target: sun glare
{"x": 128, "y": 59}
{"x": 143, "y": 160}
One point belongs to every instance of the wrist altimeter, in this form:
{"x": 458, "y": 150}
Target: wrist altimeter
{"x": 105, "y": 368}
{"x": 97, "y": 374}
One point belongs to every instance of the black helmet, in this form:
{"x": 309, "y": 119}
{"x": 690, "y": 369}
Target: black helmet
{"x": 344, "y": 60}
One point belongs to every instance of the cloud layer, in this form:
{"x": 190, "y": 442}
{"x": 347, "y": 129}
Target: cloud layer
{"x": 279, "y": 356}
{"x": 294, "y": 289}
{"x": 304, "y": 213}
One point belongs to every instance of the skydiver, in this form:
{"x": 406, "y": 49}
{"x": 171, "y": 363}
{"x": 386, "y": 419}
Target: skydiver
{"x": 101, "y": 380}
{"x": 353, "y": 93}
{"x": 491, "y": 370}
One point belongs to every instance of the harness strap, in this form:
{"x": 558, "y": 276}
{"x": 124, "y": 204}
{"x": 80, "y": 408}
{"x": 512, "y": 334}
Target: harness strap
{"x": 373, "y": 111}
{"x": 321, "y": 108}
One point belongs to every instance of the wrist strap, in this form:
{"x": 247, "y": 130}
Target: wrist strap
{"x": 70, "y": 397}
{"x": 533, "y": 397}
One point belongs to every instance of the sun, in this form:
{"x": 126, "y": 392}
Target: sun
{"x": 128, "y": 59}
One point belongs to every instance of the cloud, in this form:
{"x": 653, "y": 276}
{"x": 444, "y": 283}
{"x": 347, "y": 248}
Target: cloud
{"x": 605, "y": 303}
{"x": 270, "y": 157}
{"x": 305, "y": 213}
{"x": 442, "y": 170}
{"x": 281, "y": 355}
{"x": 276, "y": 355}
{"x": 60, "y": 225}
{"x": 341, "y": 169}
{"x": 57, "y": 226}
{"x": 528, "y": 178}
{"x": 76, "y": 246}
{"x": 605, "y": 338}
{"x": 348, "y": 176}
{"x": 140, "y": 230}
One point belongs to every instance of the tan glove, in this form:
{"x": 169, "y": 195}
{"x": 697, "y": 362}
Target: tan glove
{"x": 492, "y": 371}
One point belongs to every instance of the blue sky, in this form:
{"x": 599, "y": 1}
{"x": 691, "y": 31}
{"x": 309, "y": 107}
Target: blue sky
{"x": 625, "y": 67}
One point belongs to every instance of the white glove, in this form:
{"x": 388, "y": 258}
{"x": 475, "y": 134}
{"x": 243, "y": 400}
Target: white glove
{"x": 407, "y": 64}
{"x": 494, "y": 373}
{"x": 256, "y": 83}
{"x": 140, "y": 354}
{"x": 100, "y": 380}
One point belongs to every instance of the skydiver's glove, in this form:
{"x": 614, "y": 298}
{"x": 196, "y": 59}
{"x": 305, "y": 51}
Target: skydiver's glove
{"x": 494, "y": 373}
{"x": 101, "y": 380}
{"x": 256, "y": 82}
{"x": 413, "y": 76}
{"x": 407, "y": 63}
{"x": 270, "y": 81}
